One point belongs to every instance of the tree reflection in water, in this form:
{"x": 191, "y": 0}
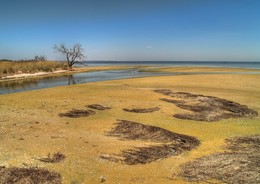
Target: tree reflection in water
{"x": 71, "y": 80}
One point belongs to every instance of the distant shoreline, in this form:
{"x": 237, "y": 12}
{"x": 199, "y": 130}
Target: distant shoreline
{"x": 224, "y": 64}
{"x": 108, "y": 67}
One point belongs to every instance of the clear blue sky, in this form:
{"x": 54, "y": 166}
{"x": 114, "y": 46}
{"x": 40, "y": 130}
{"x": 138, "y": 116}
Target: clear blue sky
{"x": 204, "y": 30}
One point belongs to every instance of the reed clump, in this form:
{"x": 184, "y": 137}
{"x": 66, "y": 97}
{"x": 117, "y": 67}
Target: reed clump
{"x": 30, "y": 66}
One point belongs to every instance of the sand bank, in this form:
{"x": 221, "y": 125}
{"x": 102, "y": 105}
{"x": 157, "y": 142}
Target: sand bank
{"x": 32, "y": 128}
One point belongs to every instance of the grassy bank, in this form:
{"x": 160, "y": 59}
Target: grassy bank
{"x": 18, "y": 67}
{"x": 33, "y": 125}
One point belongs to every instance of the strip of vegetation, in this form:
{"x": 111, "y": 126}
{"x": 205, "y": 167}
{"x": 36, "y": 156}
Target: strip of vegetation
{"x": 30, "y": 66}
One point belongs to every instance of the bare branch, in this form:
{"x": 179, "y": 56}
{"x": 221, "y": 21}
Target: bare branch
{"x": 73, "y": 54}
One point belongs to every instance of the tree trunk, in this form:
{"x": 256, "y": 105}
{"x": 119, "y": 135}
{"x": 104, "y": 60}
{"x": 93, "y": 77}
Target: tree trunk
{"x": 69, "y": 68}
{"x": 69, "y": 65}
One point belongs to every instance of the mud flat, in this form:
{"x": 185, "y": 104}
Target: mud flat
{"x": 137, "y": 147}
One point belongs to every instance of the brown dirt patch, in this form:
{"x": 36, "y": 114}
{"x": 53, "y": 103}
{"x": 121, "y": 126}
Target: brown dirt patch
{"x": 239, "y": 164}
{"x": 206, "y": 108}
{"x": 98, "y": 107}
{"x": 28, "y": 176}
{"x": 142, "y": 110}
{"x": 76, "y": 113}
{"x": 55, "y": 158}
{"x": 170, "y": 143}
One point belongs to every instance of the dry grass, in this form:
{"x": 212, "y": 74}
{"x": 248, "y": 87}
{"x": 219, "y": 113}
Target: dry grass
{"x": 170, "y": 143}
{"x": 239, "y": 165}
{"x": 129, "y": 130}
{"x": 206, "y": 108}
{"x": 248, "y": 144}
{"x": 16, "y": 67}
{"x": 28, "y": 176}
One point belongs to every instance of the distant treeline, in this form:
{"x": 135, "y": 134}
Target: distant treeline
{"x": 36, "y": 58}
{"x": 6, "y": 60}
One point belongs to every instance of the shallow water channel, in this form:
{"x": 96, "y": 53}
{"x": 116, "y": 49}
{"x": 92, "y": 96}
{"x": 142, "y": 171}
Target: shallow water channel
{"x": 77, "y": 78}
{"x": 20, "y": 85}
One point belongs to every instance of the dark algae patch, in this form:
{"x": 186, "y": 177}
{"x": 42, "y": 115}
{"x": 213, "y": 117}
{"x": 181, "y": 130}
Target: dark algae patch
{"x": 164, "y": 143}
{"x": 142, "y": 110}
{"x": 206, "y": 108}
{"x": 75, "y": 113}
{"x": 55, "y": 158}
{"x": 98, "y": 107}
{"x": 240, "y": 164}
{"x": 28, "y": 176}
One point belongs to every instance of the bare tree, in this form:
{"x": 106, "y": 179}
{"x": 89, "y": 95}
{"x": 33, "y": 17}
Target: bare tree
{"x": 73, "y": 55}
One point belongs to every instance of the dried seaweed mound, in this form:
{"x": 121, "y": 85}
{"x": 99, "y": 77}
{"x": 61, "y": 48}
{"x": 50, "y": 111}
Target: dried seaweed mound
{"x": 168, "y": 143}
{"x": 98, "y": 107}
{"x": 143, "y": 155}
{"x": 28, "y": 176}
{"x": 142, "y": 110}
{"x": 129, "y": 130}
{"x": 239, "y": 164}
{"x": 206, "y": 108}
{"x": 75, "y": 113}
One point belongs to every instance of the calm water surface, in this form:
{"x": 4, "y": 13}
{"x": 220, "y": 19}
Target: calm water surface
{"x": 85, "y": 77}
{"x": 226, "y": 64}
{"x": 77, "y": 78}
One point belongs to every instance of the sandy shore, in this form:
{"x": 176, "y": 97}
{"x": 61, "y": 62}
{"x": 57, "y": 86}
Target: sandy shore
{"x": 36, "y": 123}
{"x": 26, "y": 75}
